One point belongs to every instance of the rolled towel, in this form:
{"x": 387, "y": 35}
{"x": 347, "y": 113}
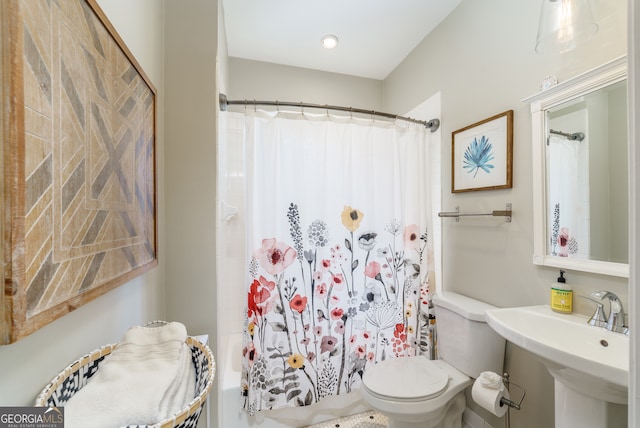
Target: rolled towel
{"x": 137, "y": 383}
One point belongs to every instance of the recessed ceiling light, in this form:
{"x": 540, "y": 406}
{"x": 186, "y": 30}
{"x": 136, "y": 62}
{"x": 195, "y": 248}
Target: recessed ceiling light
{"x": 329, "y": 41}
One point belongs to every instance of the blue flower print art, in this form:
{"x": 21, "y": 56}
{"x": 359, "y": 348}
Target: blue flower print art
{"x": 482, "y": 155}
{"x": 478, "y": 156}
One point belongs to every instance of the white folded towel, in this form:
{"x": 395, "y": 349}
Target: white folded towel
{"x": 181, "y": 391}
{"x": 147, "y": 378}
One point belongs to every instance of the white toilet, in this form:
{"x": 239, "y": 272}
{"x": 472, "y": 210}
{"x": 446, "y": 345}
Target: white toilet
{"x": 416, "y": 392}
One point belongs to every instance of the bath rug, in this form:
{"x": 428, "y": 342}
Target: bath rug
{"x": 370, "y": 419}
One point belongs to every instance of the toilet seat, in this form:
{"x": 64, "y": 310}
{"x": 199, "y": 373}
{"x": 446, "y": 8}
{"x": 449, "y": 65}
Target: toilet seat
{"x": 405, "y": 379}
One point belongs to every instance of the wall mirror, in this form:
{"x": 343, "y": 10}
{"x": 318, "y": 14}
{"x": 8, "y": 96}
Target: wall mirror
{"x": 580, "y": 172}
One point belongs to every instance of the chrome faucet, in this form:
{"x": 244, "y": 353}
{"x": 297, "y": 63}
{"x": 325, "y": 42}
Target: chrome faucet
{"x": 598, "y": 319}
{"x": 615, "y": 322}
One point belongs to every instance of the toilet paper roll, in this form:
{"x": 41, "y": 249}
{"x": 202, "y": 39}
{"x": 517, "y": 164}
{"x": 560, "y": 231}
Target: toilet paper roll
{"x": 489, "y": 397}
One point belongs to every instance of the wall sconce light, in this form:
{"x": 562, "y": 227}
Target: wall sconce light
{"x": 564, "y": 24}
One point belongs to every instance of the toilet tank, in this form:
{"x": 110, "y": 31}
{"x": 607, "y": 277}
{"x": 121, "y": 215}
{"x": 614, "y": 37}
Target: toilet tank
{"x": 464, "y": 339}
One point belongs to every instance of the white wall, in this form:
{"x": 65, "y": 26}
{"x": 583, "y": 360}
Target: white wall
{"x": 223, "y": 54}
{"x": 483, "y": 61}
{"x": 29, "y": 364}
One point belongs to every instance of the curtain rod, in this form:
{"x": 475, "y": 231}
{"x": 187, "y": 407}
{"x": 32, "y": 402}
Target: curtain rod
{"x": 579, "y": 136}
{"x": 432, "y": 124}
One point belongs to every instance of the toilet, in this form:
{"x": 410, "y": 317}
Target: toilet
{"x": 417, "y": 392}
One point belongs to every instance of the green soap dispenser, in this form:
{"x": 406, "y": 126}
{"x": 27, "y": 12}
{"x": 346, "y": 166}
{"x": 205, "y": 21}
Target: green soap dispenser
{"x": 561, "y": 296}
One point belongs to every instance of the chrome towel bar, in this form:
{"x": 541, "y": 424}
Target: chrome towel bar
{"x": 498, "y": 213}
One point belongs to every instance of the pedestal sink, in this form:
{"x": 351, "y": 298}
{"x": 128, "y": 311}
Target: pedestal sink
{"x": 590, "y": 365}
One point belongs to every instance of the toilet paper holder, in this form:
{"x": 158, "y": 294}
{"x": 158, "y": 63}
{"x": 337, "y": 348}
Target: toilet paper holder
{"x": 507, "y": 402}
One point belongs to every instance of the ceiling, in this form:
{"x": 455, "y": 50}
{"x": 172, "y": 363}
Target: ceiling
{"x": 374, "y": 35}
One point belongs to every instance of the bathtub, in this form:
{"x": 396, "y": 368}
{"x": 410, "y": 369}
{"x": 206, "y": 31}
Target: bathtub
{"x": 231, "y": 414}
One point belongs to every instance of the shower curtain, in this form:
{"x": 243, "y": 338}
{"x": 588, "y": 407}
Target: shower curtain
{"x": 569, "y": 206}
{"x": 340, "y": 253}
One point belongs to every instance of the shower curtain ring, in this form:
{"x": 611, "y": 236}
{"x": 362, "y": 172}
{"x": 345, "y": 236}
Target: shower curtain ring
{"x": 255, "y": 110}
{"x": 302, "y": 107}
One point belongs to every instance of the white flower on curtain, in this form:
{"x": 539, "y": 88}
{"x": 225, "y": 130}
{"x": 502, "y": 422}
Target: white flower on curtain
{"x": 332, "y": 289}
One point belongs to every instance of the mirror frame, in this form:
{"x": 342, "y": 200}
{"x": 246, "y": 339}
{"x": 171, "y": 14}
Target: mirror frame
{"x": 592, "y": 80}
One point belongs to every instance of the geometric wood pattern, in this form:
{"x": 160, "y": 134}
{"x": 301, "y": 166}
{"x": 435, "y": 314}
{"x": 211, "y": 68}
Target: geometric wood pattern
{"x": 79, "y": 174}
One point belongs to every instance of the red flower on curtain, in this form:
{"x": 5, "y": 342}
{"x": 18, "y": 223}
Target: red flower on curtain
{"x": 336, "y": 313}
{"x": 337, "y": 279}
{"x": 259, "y": 295}
{"x": 563, "y": 241}
{"x": 298, "y": 303}
{"x": 399, "y": 340}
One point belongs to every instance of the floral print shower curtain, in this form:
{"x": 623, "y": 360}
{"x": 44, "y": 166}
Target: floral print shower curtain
{"x": 569, "y": 202}
{"x": 340, "y": 254}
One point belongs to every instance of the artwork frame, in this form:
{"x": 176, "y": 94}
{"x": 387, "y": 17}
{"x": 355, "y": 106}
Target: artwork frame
{"x": 485, "y": 148}
{"x": 79, "y": 175}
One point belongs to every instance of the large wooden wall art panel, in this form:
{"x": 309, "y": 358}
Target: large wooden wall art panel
{"x": 78, "y": 162}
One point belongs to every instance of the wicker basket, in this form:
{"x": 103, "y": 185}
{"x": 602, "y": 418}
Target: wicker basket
{"x": 76, "y": 375}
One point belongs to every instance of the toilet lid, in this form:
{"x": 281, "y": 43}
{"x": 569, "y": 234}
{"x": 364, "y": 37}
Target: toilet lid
{"x": 406, "y": 378}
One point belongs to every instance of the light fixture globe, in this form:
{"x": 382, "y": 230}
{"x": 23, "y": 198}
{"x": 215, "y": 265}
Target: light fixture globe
{"x": 329, "y": 41}
{"x": 564, "y": 24}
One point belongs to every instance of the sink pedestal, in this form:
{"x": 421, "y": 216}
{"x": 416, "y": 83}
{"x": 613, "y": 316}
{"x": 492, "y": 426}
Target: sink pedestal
{"x": 573, "y": 409}
{"x": 589, "y": 365}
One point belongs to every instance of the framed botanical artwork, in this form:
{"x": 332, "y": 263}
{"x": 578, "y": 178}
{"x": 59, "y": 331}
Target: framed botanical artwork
{"x": 78, "y": 126}
{"x": 482, "y": 155}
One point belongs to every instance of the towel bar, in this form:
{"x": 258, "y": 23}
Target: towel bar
{"x": 496, "y": 213}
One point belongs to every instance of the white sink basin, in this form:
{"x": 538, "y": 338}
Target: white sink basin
{"x": 586, "y": 359}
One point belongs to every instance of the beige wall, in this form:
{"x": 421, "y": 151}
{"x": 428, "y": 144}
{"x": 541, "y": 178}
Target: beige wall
{"x": 190, "y": 166}
{"x": 190, "y": 126}
{"x": 483, "y": 61}
{"x": 254, "y": 80}
{"x": 29, "y": 364}
{"x": 619, "y": 204}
